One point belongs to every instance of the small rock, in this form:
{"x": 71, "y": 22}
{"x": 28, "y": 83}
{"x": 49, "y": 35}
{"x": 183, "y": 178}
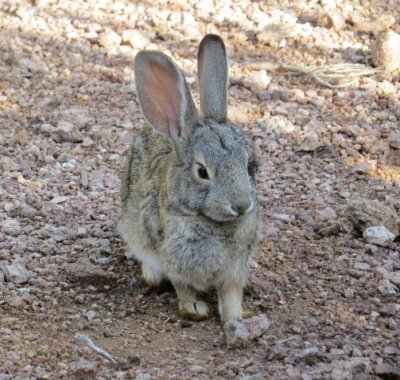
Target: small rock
{"x": 84, "y": 180}
{"x": 89, "y": 273}
{"x": 83, "y": 367}
{"x": 349, "y": 293}
{"x": 271, "y": 231}
{"x": 90, "y": 315}
{"x": 394, "y": 140}
{"x": 27, "y": 211}
{"x": 386, "y": 371}
{"x": 257, "y": 81}
{"x": 143, "y": 376}
{"x": 283, "y": 217}
{"x": 241, "y": 332}
{"x": 394, "y": 278}
{"x": 355, "y": 368}
{"x": 310, "y": 143}
{"x": 66, "y": 132}
{"x": 370, "y": 248}
{"x": 308, "y": 356}
{"x": 16, "y": 273}
{"x": 378, "y": 235}
{"x": 387, "y": 52}
{"x": 386, "y": 288}
{"x": 368, "y": 167}
{"x": 361, "y": 266}
{"x": 109, "y": 39}
{"x": 390, "y": 310}
{"x": 11, "y": 227}
{"x": 97, "y": 182}
{"x": 135, "y": 38}
{"x": 13, "y": 300}
{"x": 326, "y": 214}
{"x": 364, "y": 213}
{"x": 334, "y": 20}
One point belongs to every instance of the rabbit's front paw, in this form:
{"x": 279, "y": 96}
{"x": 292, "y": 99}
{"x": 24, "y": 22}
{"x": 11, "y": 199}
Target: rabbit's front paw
{"x": 152, "y": 275}
{"x": 193, "y": 310}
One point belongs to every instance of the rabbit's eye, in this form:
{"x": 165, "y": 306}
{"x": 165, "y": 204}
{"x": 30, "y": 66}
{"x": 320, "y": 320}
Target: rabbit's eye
{"x": 202, "y": 171}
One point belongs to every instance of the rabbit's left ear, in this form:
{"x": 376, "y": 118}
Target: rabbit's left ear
{"x": 163, "y": 94}
{"x": 213, "y": 78}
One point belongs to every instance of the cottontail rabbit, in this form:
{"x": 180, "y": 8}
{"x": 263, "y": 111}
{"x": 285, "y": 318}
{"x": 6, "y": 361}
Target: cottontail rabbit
{"x": 189, "y": 209}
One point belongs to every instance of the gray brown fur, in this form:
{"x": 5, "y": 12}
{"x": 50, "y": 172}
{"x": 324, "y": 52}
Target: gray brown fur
{"x": 197, "y": 233}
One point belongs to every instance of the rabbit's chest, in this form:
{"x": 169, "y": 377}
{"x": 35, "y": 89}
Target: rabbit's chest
{"x": 199, "y": 255}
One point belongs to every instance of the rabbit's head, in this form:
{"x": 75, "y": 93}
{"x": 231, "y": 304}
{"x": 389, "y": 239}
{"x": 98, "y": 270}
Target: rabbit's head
{"x": 213, "y": 163}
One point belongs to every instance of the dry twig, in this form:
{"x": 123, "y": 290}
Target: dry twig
{"x": 85, "y": 339}
{"x": 333, "y": 76}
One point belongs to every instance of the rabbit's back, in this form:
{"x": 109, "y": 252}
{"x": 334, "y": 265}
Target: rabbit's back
{"x": 140, "y": 189}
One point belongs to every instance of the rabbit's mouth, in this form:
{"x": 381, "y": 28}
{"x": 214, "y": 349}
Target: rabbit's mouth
{"x": 228, "y": 213}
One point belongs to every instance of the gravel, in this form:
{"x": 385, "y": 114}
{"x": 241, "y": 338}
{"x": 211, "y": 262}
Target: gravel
{"x": 329, "y": 169}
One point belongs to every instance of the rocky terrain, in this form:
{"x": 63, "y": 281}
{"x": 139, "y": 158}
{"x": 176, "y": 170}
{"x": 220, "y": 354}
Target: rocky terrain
{"x": 326, "y": 285}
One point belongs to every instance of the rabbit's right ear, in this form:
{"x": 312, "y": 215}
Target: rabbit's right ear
{"x": 163, "y": 94}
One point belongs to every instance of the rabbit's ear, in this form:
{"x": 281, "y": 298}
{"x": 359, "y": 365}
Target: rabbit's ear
{"x": 213, "y": 78}
{"x": 163, "y": 94}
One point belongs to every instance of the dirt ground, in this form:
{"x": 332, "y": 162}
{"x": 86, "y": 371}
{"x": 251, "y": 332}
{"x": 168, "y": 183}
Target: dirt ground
{"x": 329, "y": 169}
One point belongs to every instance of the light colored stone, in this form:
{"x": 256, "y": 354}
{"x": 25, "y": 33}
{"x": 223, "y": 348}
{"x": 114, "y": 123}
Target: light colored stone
{"x": 241, "y": 332}
{"x": 364, "y": 213}
{"x": 394, "y": 278}
{"x": 11, "y": 227}
{"x": 310, "y": 142}
{"x": 16, "y": 273}
{"x": 355, "y": 368}
{"x": 386, "y": 288}
{"x": 109, "y": 39}
{"x": 66, "y": 132}
{"x": 327, "y": 213}
{"x": 135, "y": 38}
{"x": 378, "y": 235}
{"x": 386, "y": 53}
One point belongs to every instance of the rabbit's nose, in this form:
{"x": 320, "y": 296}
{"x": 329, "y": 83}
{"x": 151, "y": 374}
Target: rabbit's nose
{"x": 242, "y": 205}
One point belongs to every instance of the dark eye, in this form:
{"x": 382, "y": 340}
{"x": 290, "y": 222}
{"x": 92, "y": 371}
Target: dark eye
{"x": 251, "y": 168}
{"x": 202, "y": 171}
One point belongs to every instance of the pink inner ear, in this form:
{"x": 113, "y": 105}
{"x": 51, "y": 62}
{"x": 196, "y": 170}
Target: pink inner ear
{"x": 163, "y": 92}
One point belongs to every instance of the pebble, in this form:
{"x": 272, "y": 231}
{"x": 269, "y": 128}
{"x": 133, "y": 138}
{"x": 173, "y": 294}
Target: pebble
{"x": 355, "y": 368}
{"x": 386, "y": 371}
{"x": 83, "y": 367}
{"x": 16, "y": 273}
{"x": 364, "y": 213}
{"x": 11, "y": 227}
{"x": 241, "y": 332}
{"x": 386, "y": 288}
{"x": 391, "y": 310}
{"x": 66, "y": 132}
{"x": 394, "y": 278}
{"x": 349, "y": 293}
{"x": 394, "y": 140}
{"x": 135, "y": 38}
{"x": 371, "y": 248}
{"x": 326, "y": 214}
{"x": 109, "y": 39}
{"x": 310, "y": 143}
{"x": 96, "y": 183}
{"x": 386, "y": 53}
{"x": 362, "y": 266}
{"x": 378, "y": 235}
{"x": 91, "y": 315}
{"x": 309, "y": 355}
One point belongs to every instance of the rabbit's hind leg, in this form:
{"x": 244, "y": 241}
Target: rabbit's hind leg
{"x": 190, "y": 306}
